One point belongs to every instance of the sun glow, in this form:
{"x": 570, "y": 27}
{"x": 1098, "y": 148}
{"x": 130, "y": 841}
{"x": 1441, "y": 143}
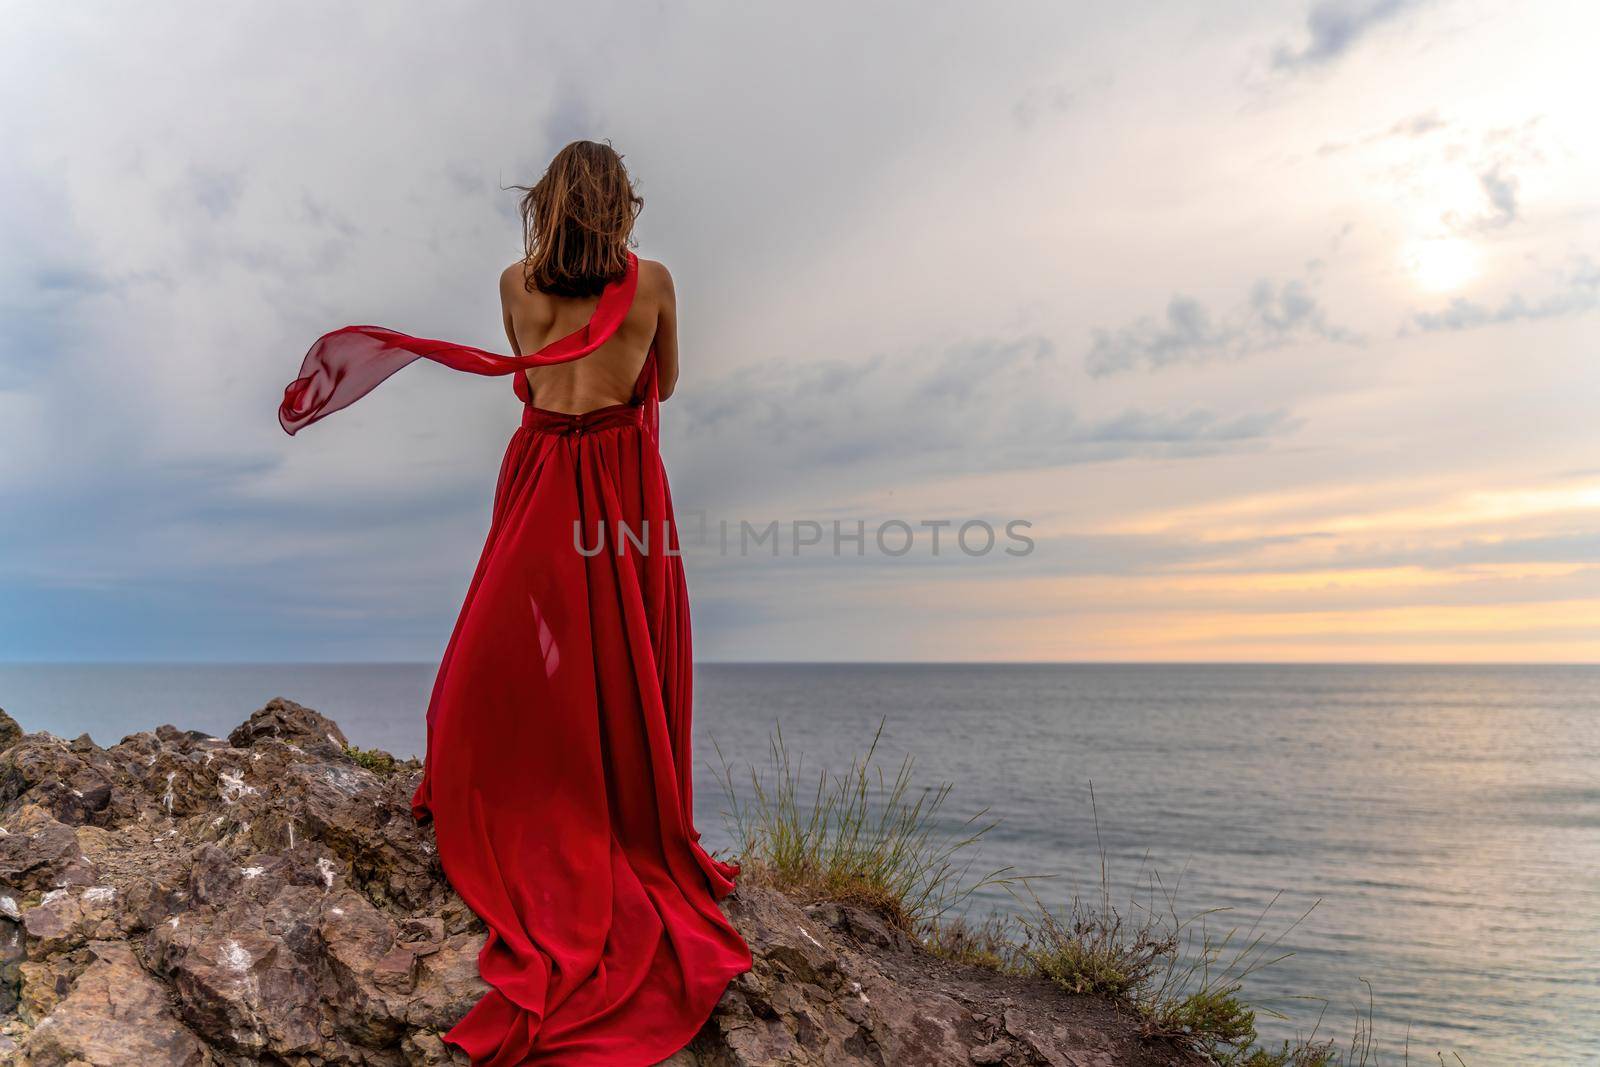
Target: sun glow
{"x": 1442, "y": 264}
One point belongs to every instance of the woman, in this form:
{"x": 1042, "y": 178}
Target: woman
{"x": 558, "y": 764}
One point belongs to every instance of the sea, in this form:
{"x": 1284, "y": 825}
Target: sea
{"x": 1421, "y": 844}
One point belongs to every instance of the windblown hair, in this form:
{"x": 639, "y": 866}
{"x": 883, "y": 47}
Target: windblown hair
{"x": 577, "y": 221}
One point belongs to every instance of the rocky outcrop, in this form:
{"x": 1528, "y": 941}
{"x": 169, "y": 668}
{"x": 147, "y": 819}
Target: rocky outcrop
{"x": 179, "y": 900}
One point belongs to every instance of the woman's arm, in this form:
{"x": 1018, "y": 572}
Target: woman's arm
{"x": 666, "y": 341}
{"x": 511, "y": 276}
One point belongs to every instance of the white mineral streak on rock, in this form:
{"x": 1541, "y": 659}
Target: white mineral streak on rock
{"x": 326, "y": 868}
{"x": 346, "y": 780}
{"x": 807, "y": 935}
{"x": 52, "y": 896}
{"x": 251, "y": 872}
{"x": 168, "y": 798}
{"x": 8, "y": 908}
{"x": 235, "y": 957}
{"x": 231, "y": 786}
{"x": 98, "y": 894}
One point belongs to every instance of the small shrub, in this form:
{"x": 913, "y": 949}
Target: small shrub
{"x": 373, "y": 759}
{"x": 1306, "y": 1054}
{"x": 990, "y": 944}
{"x": 1093, "y": 953}
{"x": 1183, "y": 982}
{"x": 1212, "y": 1019}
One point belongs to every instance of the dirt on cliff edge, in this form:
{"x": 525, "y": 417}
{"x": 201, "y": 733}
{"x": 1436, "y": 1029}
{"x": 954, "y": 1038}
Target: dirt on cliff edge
{"x": 179, "y": 900}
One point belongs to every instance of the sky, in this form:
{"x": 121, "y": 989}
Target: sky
{"x": 1276, "y": 323}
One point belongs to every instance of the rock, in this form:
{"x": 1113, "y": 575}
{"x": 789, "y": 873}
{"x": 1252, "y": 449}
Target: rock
{"x": 115, "y": 1014}
{"x": 179, "y": 899}
{"x": 289, "y": 722}
{"x": 993, "y": 1052}
{"x": 10, "y": 732}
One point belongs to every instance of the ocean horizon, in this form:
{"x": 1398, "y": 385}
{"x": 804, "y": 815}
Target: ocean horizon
{"x": 1440, "y": 823}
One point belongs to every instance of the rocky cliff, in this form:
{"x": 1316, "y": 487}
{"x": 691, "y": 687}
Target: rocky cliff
{"x": 180, "y": 900}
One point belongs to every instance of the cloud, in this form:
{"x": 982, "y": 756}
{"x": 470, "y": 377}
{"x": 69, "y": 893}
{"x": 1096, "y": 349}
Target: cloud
{"x": 571, "y": 118}
{"x": 1576, "y": 548}
{"x": 1578, "y": 292}
{"x": 1194, "y": 427}
{"x": 1500, "y": 187}
{"x": 1496, "y": 161}
{"x": 215, "y": 192}
{"x": 1334, "y": 27}
{"x": 899, "y": 418}
{"x": 887, "y": 291}
{"x": 1273, "y": 315}
{"x": 1476, "y": 173}
{"x": 1411, "y": 128}
{"x": 1418, "y": 125}
{"x": 1055, "y": 98}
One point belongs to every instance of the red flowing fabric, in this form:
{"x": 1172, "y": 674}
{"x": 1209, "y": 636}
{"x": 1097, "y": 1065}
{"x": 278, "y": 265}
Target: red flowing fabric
{"x": 558, "y": 769}
{"x": 347, "y": 364}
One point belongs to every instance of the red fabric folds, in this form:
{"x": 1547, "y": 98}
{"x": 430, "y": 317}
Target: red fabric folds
{"x": 558, "y": 769}
{"x": 347, "y": 364}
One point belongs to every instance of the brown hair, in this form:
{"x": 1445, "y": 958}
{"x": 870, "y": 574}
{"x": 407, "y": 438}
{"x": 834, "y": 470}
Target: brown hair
{"x": 577, "y": 220}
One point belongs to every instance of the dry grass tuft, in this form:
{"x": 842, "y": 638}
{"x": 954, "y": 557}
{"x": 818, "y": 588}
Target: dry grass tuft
{"x": 858, "y": 837}
{"x": 863, "y": 838}
{"x": 992, "y": 944}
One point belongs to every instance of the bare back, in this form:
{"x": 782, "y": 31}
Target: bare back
{"x": 605, "y": 376}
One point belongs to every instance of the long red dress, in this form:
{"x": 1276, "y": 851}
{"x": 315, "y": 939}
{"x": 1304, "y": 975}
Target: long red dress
{"x": 558, "y": 771}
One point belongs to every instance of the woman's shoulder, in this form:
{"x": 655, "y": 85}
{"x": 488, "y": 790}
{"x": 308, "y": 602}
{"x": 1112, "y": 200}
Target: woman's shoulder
{"x": 654, "y": 277}
{"x": 514, "y": 281}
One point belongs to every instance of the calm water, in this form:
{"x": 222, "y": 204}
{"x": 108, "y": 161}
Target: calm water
{"x": 1448, "y": 818}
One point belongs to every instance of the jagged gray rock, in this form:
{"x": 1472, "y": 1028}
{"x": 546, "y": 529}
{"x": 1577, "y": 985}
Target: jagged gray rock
{"x": 181, "y": 900}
